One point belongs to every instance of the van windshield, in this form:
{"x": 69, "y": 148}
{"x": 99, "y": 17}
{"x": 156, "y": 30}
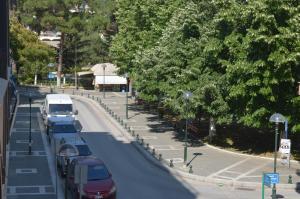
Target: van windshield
{"x": 60, "y": 108}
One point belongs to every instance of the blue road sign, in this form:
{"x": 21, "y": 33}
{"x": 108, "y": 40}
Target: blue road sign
{"x": 271, "y": 178}
{"x": 51, "y": 75}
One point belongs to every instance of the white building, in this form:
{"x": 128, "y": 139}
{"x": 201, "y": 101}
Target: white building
{"x": 106, "y": 74}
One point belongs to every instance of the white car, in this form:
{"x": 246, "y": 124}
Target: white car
{"x": 81, "y": 147}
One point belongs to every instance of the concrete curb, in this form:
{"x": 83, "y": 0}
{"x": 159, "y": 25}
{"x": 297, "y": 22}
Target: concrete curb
{"x": 177, "y": 172}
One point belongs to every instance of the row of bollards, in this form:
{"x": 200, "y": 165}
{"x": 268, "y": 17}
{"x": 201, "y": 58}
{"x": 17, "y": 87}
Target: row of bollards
{"x": 139, "y": 140}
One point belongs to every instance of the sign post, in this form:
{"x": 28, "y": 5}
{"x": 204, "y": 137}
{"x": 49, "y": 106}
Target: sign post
{"x": 268, "y": 180}
{"x": 81, "y": 177}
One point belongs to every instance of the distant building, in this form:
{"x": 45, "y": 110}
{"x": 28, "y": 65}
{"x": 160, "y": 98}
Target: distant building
{"x": 106, "y": 74}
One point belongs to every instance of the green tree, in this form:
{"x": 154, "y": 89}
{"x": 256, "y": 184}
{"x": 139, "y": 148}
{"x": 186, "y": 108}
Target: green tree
{"x": 31, "y": 55}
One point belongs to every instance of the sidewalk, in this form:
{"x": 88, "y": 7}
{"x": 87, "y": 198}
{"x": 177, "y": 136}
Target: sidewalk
{"x": 28, "y": 176}
{"x": 207, "y": 163}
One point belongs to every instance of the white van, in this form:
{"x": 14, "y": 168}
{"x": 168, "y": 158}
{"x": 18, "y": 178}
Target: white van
{"x": 58, "y": 105}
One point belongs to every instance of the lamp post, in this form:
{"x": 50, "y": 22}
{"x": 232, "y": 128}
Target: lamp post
{"x": 126, "y": 91}
{"x": 186, "y": 96}
{"x": 103, "y": 66}
{"x": 276, "y": 118}
{"x": 29, "y": 138}
{"x": 76, "y": 78}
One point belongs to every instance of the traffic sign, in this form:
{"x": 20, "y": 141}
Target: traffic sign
{"x": 51, "y": 75}
{"x": 285, "y": 146}
{"x": 271, "y": 178}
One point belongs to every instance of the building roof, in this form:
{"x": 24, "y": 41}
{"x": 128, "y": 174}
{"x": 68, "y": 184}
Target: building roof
{"x": 110, "y": 69}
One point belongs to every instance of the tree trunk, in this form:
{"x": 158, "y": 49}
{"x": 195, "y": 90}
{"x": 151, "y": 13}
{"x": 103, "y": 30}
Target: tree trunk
{"x": 60, "y": 59}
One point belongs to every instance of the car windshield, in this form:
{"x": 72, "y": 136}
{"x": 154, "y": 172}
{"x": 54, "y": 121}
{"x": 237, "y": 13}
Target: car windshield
{"x": 66, "y": 128}
{"x": 60, "y": 108}
{"x": 83, "y": 150}
{"x": 97, "y": 172}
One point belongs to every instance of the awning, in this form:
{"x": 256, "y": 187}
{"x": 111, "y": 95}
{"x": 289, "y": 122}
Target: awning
{"x": 85, "y": 73}
{"x": 110, "y": 80}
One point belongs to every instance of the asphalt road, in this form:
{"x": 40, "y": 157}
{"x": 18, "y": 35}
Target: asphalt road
{"x": 135, "y": 176}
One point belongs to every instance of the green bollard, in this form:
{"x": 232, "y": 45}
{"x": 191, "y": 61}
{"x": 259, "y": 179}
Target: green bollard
{"x": 191, "y": 169}
{"x": 290, "y": 180}
{"x": 153, "y": 152}
{"x": 160, "y": 157}
{"x": 171, "y": 163}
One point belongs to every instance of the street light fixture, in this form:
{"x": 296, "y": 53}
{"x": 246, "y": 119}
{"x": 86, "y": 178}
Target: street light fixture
{"x": 276, "y": 118}
{"x": 103, "y": 66}
{"x": 186, "y": 96}
{"x": 126, "y": 90}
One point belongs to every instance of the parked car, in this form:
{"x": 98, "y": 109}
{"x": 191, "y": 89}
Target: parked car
{"x": 59, "y": 128}
{"x": 82, "y": 148}
{"x": 99, "y": 180}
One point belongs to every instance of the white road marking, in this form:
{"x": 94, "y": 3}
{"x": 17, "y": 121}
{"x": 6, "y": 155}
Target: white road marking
{"x": 117, "y": 94}
{"x": 234, "y": 172}
{"x": 166, "y": 147}
{"x": 223, "y": 177}
{"x": 229, "y": 167}
{"x": 26, "y": 170}
{"x": 149, "y": 137}
{"x": 21, "y": 122}
{"x": 25, "y": 153}
{"x": 41, "y": 190}
{"x": 23, "y": 141}
{"x": 251, "y": 171}
{"x": 141, "y": 128}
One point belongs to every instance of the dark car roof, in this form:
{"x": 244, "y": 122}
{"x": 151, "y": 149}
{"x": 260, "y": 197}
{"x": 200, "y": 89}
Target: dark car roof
{"x": 90, "y": 160}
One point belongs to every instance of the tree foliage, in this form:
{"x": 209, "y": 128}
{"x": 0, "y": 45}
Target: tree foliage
{"x": 239, "y": 58}
{"x": 31, "y": 55}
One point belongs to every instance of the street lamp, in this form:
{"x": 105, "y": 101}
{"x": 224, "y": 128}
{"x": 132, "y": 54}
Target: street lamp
{"x": 76, "y": 78}
{"x": 186, "y": 96}
{"x": 29, "y": 138}
{"x": 126, "y": 90}
{"x": 103, "y": 66}
{"x": 276, "y": 118}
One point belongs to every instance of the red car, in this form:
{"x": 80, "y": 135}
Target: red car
{"x": 100, "y": 184}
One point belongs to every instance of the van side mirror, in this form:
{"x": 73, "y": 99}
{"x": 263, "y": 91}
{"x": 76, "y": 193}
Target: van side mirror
{"x": 76, "y": 112}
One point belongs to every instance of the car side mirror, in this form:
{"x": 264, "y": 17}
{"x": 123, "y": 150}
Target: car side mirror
{"x": 76, "y": 112}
